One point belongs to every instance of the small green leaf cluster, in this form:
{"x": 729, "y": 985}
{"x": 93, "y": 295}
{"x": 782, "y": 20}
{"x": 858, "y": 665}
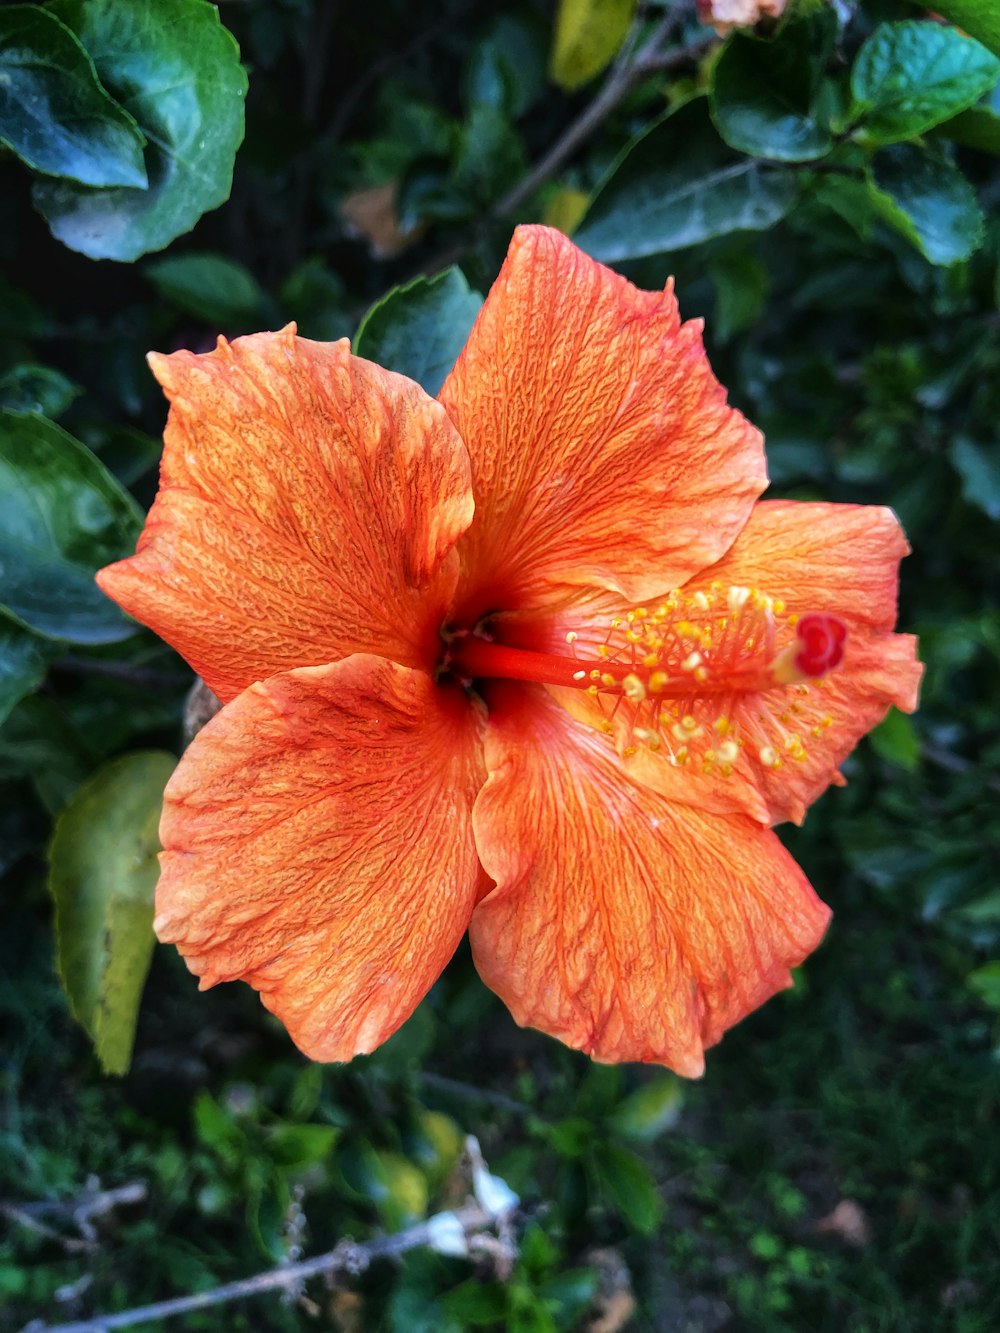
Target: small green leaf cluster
{"x": 874, "y": 124}
{"x": 129, "y": 114}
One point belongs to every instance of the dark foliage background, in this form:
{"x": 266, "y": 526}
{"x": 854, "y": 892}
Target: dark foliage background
{"x": 838, "y": 1167}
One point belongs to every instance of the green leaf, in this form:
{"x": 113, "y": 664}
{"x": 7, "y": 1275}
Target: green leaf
{"x": 979, "y": 18}
{"x": 763, "y": 93}
{"x": 678, "y": 184}
{"x": 650, "y": 1110}
{"x": 176, "y": 70}
{"x": 210, "y": 287}
{"x": 62, "y": 516}
{"x": 31, "y": 388}
{"x": 24, "y": 660}
{"x": 629, "y": 1187}
{"x": 929, "y": 201}
{"x": 54, "y": 114}
{"x": 420, "y": 328}
{"x": 588, "y": 36}
{"x": 895, "y": 739}
{"x": 984, "y": 982}
{"x": 913, "y": 75}
{"x": 102, "y": 873}
{"x": 741, "y": 286}
{"x": 979, "y": 468}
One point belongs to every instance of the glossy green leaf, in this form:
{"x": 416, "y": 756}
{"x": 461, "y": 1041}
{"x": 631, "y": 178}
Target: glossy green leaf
{"x": 176, "y": 70}
{"x": 911, "y": 76}
{"x": 763, "y": 92}
{"x": 211, "y": 287}
{"x": 678, "y": 184}
{"x": 54, "y": 114}
{"x": 588, "y": 36}
{"x": 929, "y": 201}
{"x": 979, "y": 18}
{"x": 979, "y": 468}
{"x": 62, "y": 516}
{"x": 24, "y": 660}
{"x": 102, "y": 873}
{"x": 420, "y": 328}
{"x": 741, "y": 286}
{"x": 896, "y": 740}
{"x": 984, "y": 982}
{"x": 30, "y": 388}
{"x": 627, "y": 1182}
{"x": 650, "y": 1110}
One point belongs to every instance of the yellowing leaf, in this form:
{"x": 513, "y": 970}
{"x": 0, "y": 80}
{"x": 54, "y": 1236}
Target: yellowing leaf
{"x": 102, "y": 873}
{"x": 565, "y": 210}
{"x": 589, "y": 34}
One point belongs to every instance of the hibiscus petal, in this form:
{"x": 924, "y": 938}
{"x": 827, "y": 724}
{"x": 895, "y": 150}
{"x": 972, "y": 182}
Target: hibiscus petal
{"x": 622, "y": 924}
{"x": 603, "y": 452}
{"x": 308, "y": 504}
{"x": 839, "y": 559}
{"x": 318, "y": 845}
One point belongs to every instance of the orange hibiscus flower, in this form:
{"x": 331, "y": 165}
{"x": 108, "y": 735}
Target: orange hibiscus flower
{"x": 530, "y": 660}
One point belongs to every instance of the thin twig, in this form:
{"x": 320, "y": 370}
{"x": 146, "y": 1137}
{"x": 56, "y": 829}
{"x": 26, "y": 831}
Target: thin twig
{"x": 127, "y": 671}
{"x": 93, "y": 1203}
{"x": 624, "y": 76}
{"x": 347, "y": 1258}
{"x": 469, "y": 1092}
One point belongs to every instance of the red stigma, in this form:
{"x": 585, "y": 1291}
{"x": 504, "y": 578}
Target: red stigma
{"x": 822, "y": 638}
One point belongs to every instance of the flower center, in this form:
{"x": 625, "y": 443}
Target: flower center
{"x": 669, "y": 677}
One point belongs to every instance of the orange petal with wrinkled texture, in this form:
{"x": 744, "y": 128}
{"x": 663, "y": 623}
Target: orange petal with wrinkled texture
{"x": 624, "y": 925}
{"x": 603, "y": 452}
{"x": 308, "y": 505}
{"x": 318, "y": 845}
{"x": 841, "y": 559}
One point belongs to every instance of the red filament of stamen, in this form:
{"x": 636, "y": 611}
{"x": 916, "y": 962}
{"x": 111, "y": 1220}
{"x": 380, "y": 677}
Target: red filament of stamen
{"x": 475, "y": 658}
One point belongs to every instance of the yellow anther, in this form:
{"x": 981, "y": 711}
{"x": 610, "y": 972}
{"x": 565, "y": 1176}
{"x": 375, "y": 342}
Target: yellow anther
{"x": 632, "y": 637}
{"x": 593, "y": 691}
{"x": 650, "y": 660}
{"x": 685, "y": 629}
{"x": 629, "y": 751}
{"x": 607, "y": 727}
{"x": 792, "y": 620}
{"x": 682, "y": 756}
{"x": 608, "y": 679}
{"x": 729, "y": 752}
{"x": 722, "y": 725}
{"x": 657, "y": 681}
{"x": 603, "y": 650}
{"x": 633, "y": 688}
{"x": 701, "y": 673}
{"x": 687, "y": 729}
{"x": 595, "y": 674}
{"x": 654, "y": 743}
{"x": 778, "y": 607}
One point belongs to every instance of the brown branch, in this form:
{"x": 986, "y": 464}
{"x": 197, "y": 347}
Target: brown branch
{"x": 483, "y": 1227}
{"x": 627, "y": 72}
{"x": 346, "y": 1259}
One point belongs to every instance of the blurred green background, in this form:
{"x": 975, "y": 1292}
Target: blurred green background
{"x": 824, "y": 191}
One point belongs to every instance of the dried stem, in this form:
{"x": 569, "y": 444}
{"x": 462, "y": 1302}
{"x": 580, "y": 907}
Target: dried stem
{"x": 483, "y": 1228}
{"x": 626, "y": 73}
